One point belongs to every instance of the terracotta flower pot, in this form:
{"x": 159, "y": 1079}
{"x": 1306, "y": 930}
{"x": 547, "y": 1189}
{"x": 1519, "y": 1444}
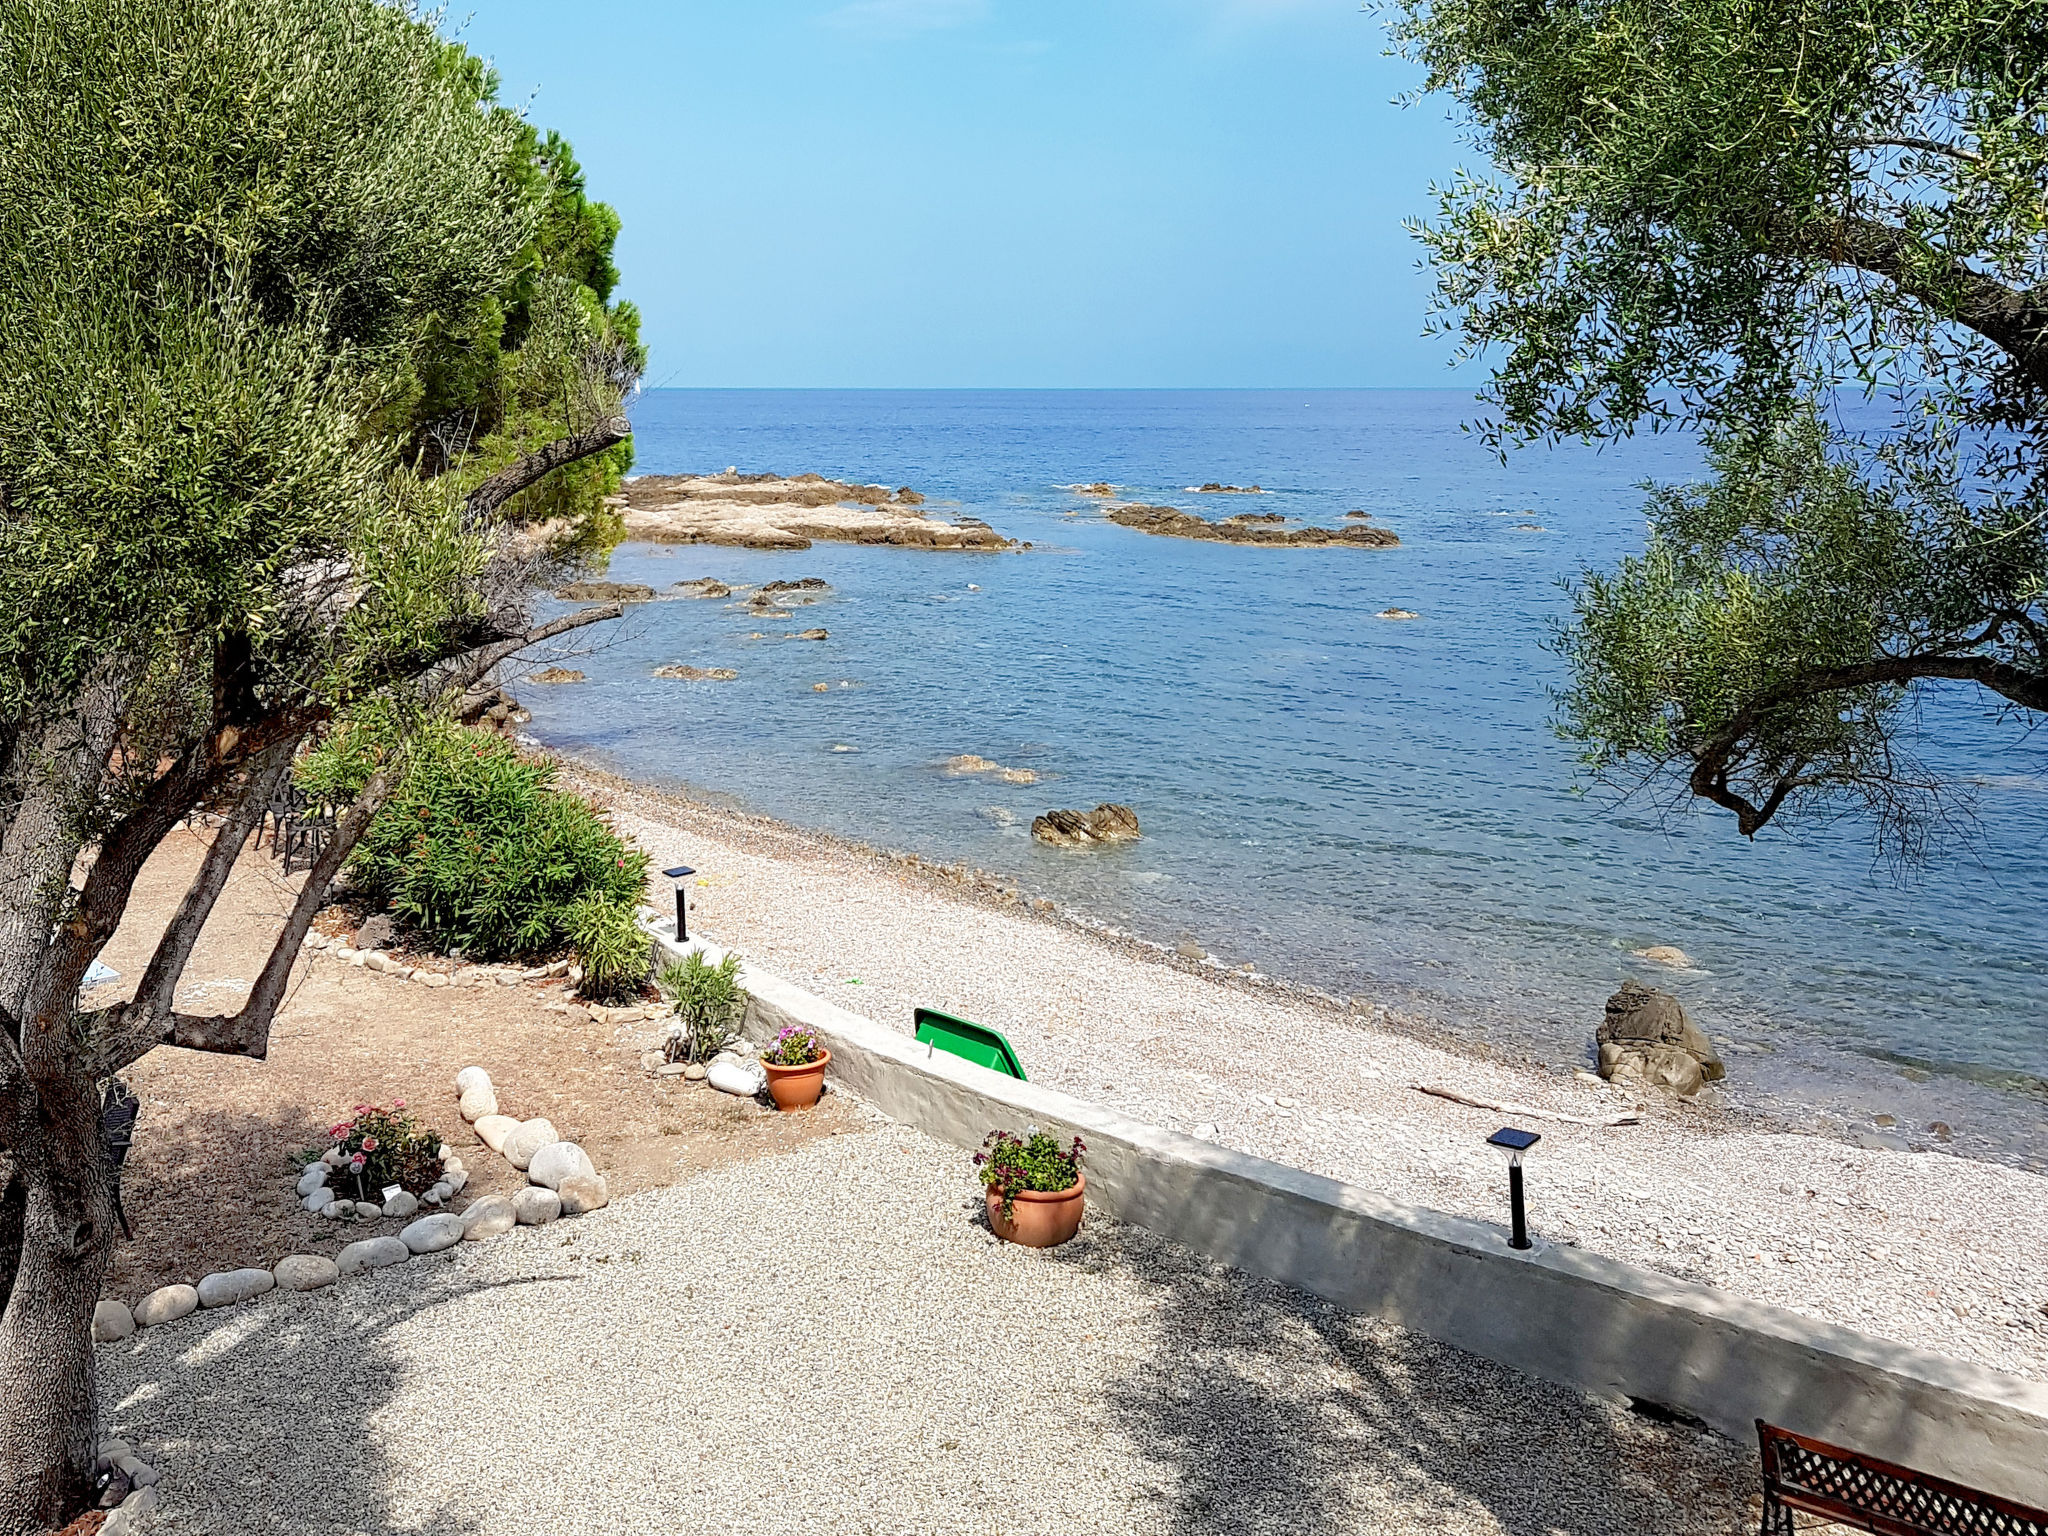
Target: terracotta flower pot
{"x": 797, "y": 1087}
{"x": 1039, "y": 1219}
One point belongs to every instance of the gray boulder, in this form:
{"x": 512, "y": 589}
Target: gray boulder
{"x": 487, "y": 1218}
{"x": 306, "y": 1272}
{"x": 581, "y": 1194}
{"x": 430, "y": 1234}
{"x": 401, "y": 1204}
{"x": 315, "y": 1177}
{"x": 111, "y": 1320}
{"x": 559, "y": 1160}
{"x": 375, "y": 933}
{"x": 1648, "y": 1037}
{"x": 371, "y": 1253}
{"x": 224, "y": 1288}
{"x": 318, "y": 1198}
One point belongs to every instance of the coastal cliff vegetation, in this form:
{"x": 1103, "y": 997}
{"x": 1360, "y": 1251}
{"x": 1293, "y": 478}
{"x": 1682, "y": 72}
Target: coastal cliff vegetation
{"x": 299, "y": 329}
{"x": 1815, "y": 236}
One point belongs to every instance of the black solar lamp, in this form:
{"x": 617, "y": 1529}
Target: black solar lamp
{"x": 1515, "y": 1143}
{"x": 679, "y": 874}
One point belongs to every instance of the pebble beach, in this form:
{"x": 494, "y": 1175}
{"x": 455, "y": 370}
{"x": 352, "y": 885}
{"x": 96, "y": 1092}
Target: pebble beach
{"x": 1923, "y": 1246}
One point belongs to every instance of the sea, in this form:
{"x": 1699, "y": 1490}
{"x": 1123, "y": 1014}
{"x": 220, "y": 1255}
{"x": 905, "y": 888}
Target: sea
{"x": 1377, "y": 808}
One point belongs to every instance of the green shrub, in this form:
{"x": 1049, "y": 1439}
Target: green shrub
{"x": 614, "y": 949}
{"x": 376, "y": 1147}
{"x": 481, "y": 852}
{"x": 709, "y": 1003}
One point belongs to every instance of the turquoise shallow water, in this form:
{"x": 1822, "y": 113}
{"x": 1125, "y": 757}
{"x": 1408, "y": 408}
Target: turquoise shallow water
{"x": 1372, "y": 807}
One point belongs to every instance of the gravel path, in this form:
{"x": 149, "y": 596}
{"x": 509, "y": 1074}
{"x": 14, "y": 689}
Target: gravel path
{"x": 828, "y": 1340}
{"x": 1924, "y": 1246}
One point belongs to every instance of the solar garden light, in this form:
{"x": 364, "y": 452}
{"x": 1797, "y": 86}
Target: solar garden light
{"x": 679, "y": 874}
{"x": 1515, "y": 1143}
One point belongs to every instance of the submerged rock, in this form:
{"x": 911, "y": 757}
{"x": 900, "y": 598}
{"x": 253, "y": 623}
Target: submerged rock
{"x": 968, "y": 762}
{"x": 1081, "y": 829}
{"x": 1171, "y": 522}
{"x": 1215, "y": 487}
{"x": 774, "y": 512}
{"x": 1648, "y": 1036}
{"x": 556, "y": 675}
{"x": 703, "y": 586}
{"x": 1665, "y": 954}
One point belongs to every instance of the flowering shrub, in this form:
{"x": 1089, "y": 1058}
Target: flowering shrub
{"x": 709, "y": 1003}
{"x": 793, "y": 1048}
{"x": 1008, "y": 1163}
{"x": 378, "y": 1147}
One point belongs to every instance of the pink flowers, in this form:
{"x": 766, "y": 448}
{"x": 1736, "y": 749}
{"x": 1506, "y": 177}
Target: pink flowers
{"x": 357, "y": 1162}
{"x": 369, "y": 1143}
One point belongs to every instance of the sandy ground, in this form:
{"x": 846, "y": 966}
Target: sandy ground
{"x": 208, "y": 1185}
{"x": 830, "y": 1340}
{"x": 1922, "y": 1246}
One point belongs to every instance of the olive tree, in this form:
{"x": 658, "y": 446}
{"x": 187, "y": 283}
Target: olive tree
{"x": 254, "y": 256}
{"x": 1817, "y": 235}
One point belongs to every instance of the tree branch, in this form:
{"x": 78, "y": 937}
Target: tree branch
{"x": 1920, "y": 146}
{"x": 483, "y": 502}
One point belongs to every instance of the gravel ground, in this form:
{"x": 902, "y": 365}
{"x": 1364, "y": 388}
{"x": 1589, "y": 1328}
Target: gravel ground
{"x": 1924, "y": 1246}
{"x": 830, "y": 1340}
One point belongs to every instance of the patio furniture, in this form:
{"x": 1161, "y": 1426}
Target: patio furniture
{"x": 1812, "y": 1477}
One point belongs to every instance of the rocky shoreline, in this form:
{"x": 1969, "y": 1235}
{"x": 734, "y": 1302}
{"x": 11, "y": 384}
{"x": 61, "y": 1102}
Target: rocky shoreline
{"x": 767, "y": 511}
{"x": 1912, "y": 1243}
{"x": 1263, "y": 528}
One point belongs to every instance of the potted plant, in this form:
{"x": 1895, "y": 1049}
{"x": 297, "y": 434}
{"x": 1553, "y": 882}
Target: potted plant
{"x": 795, "y": 1064}
{"x": 1035, "y": 1190}
{"x": 709, "y": 1003}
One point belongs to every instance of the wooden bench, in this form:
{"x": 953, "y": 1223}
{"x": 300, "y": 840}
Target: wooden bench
{"x": 1846, "y": 1488}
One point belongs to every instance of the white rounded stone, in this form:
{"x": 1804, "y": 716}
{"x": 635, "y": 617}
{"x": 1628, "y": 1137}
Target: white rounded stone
{"x": 487, "y": 1218}
{"x": 430, "y": 1234}
{"x": 315, "y": 1177}
{"x": 226, "y": 1287}
{"x": 492, "y": 1130}
{"x": 318, "y": 1198}
{"x": 305, "y": 1272}
{"x": 371, "y": 1253}
{"x": 729, "y": 1074}
{"x": 584, "y": 1193}
{"x": 455, "y": 1181}
{"x": 525, "y": 1140}
{"x": 478, "y": 1102}
{"x": 111, "y": 1320}
{"x": 472, "y": 1077}
{"x": 559, "y": 1160}
{"x": 401, "y": 1204}
{"x": 536, "y": 1207}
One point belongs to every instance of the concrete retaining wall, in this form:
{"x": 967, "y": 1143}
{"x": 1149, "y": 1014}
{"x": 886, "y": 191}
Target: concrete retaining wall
{"x": 1555, "y": 1312}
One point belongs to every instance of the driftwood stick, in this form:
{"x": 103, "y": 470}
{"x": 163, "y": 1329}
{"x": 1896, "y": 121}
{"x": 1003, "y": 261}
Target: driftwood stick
{"x": 1626, "y": 1117}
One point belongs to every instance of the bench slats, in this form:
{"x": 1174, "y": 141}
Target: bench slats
{"x": 1801, "y": 1473}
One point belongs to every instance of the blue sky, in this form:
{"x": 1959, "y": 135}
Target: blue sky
{"x": 990, "y": 193}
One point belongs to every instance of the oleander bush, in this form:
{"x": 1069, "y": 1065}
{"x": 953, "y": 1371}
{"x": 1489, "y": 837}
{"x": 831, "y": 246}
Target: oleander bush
{"x": 479, "y": 850}
{"x": 615, "y": 951}
{"x": 709, "y": 1004}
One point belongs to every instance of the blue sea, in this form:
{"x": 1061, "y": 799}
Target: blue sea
{"x": 1376, "y": 808}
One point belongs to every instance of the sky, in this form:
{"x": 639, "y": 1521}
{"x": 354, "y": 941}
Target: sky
{"x": 998, "y": 193}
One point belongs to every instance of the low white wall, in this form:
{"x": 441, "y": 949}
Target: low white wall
{"x": 1555, "y": 1312}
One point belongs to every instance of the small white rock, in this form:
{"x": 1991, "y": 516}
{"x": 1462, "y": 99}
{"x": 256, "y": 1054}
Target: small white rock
{"x": 318, "y": 1199}
{"x": 401, "y": 1204}
{"x": 478, "y": 1102}
{"x": 730, "y": 1074}
{"x": 313, "y": 1178}
{"x": 525, "y": 1140}
{"x": 536, "y": 1207}
{"x": 430, "y": 978}
{"x": 455, "y": 1182}
{"x": 582, "y": 1194}
{"x": 305, "y": 1272}
{"x": 472, "y": 1077}
{"x": 492, "y": 1130}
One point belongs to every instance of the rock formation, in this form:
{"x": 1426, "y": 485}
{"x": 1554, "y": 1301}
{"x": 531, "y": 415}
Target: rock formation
{"x": 1647, "y": 1036}
{"x": 1084, "y": 829}
{"x": 605, "y": 592}
{"x": 556, "y": 675}
{"x": 1257, "y": 528}
{"x": 968, "y": 762}
{"x": 1217, "y": 488}
{"x": 703, "y": 586}
{"x": 697, "y": 674}
{"x": 492, "y": 709}
{"x": 774, "y": 512}
{"x": 1397, "y": 614}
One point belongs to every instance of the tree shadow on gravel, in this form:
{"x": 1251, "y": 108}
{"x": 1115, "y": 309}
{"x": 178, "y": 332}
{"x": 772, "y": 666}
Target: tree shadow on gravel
{"x": 263, "y": 1419}
{"x": 1268, "y": 1410}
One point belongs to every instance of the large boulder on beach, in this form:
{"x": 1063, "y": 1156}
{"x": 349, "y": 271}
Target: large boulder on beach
{"x": 1647, "y": 1036}
{"x": 1083, "y": 829}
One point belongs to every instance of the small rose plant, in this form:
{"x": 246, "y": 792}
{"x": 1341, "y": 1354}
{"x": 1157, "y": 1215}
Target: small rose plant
{"x": 1009, "y": 1163}
{"x": 376, "y": 1147}
{"x": 794, "y": 1047}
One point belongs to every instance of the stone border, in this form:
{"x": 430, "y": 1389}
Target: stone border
{"x": 1559, "y": 1313}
